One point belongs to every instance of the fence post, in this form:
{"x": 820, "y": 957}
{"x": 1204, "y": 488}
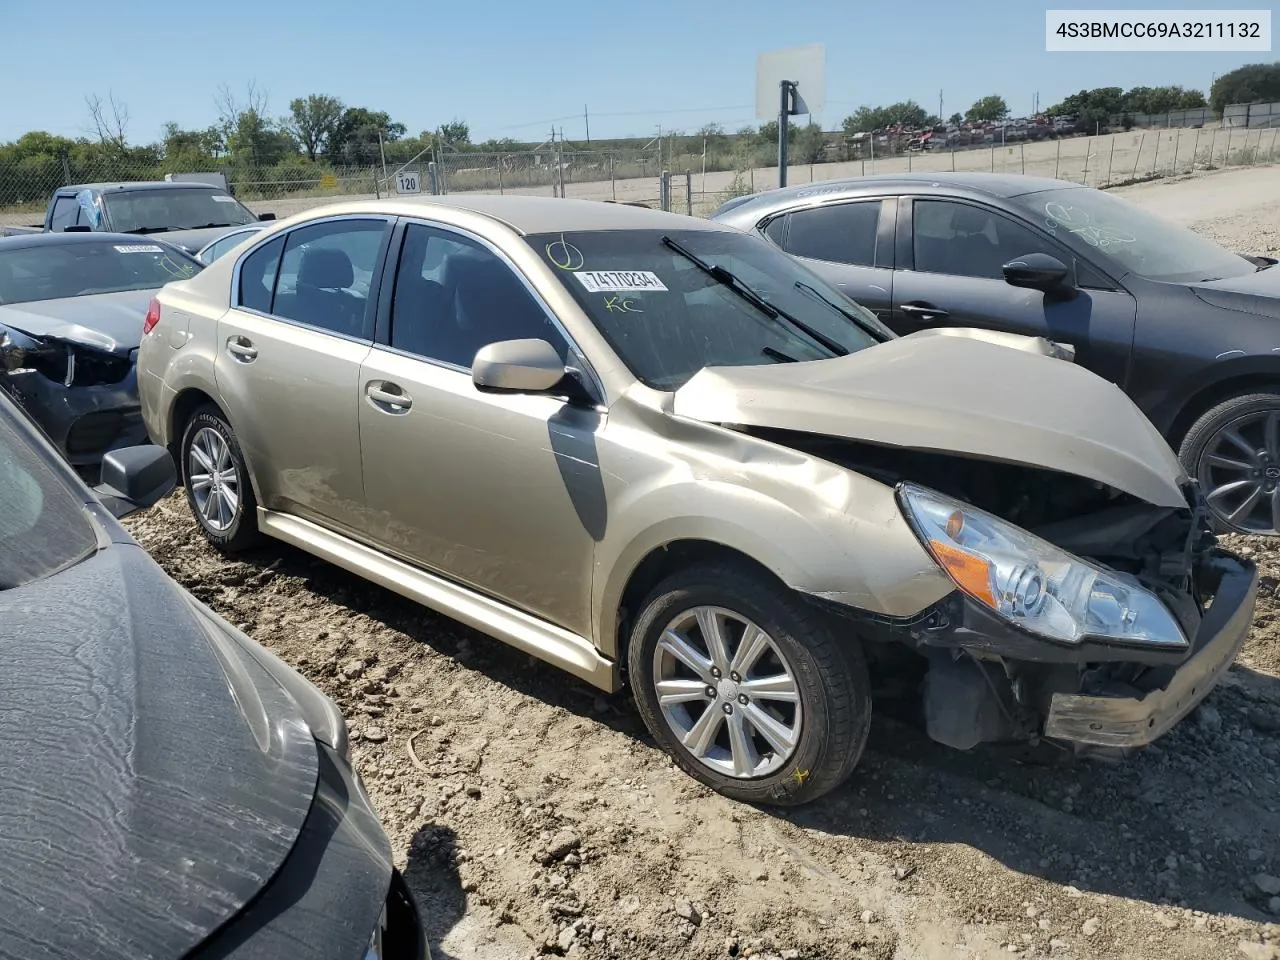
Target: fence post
{"x": 613, "y": 184}
{"x": 688, "y": 192}
{"x": 1137, "y": 159}
{"x": 908, "y": 161}
{"x": 1022, "y": 157}
{"x": 66, "y": 170}
{"x": 1226, "y": 157}
{"x": 377, "y": 191}
{"x": 560, "y": 169}
{"x": 1156, "y": 158}
{"x": 953, "y": 158}
{"x": 1110, "y": 158}
{"x": 993, "y": 157}
{"x": 500, "y": 190}
{"x": 1195, "y": 150}
{"x": 433, "y": 178}
{"x": 1057, "y": 159}
{"x": 664, "y": 190}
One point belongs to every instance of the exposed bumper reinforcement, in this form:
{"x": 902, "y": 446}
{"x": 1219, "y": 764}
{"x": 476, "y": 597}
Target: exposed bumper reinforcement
{"x": 1112, "y": 721}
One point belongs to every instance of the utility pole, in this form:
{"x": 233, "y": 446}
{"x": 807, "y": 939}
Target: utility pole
{"x": 940, "y": 117}
{"x": 586, "y": 120}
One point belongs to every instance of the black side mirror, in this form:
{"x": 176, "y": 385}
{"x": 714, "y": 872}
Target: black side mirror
{"x": 78, "y": 228}
{"x": 1039, "y": 271}
{"x": 134, "y": 478}
{"x": 266, "y": 216}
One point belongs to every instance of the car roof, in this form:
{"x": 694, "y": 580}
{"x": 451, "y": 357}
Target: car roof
{"x": 526, "y": 214}
{"x": 59, "y": 238}
{"x": 139, "y": 185}
{"x": 999, "y": 185}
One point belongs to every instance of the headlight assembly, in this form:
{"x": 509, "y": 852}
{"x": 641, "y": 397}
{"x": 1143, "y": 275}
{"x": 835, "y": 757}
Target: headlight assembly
{"x": 1032, "y": 583}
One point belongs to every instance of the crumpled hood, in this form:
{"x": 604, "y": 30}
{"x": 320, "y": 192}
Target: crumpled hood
{"x": 955, "y": 395}
{"x": 105, "y": 321}
{"x": 1257, "y": 293}
{"x": 142, "y": 805}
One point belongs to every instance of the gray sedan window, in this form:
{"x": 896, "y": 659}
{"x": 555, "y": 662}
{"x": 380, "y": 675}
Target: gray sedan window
{"x": 836, "y": 232}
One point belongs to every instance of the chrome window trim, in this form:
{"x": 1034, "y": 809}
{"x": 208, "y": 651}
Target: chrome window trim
{"x": 388, "y": 221}
{"x": 596, "y": 386}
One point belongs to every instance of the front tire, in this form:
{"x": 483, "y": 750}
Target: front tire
{"x": 747, "y": 686}
{"x": 217, "y": 482}
{"x": 1233, "y": 450}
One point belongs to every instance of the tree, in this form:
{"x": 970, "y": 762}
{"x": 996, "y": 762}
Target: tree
{"x": 955, "y": 119}
{"x": 908, "y": 113}
{"x": 191, "y": 148}
{"x": 1161, "y": 99}
{"x": 354, "y": 140}
{"x": 455, "y": 133}
{"x": 110, "y": 120}
{"x": 1252, "y": 83}
{"x": 988, "y": 110}
{"x": 312, "y": 121}
{"x": 1093, "y": 109}
{"x": 250, "y": 135}
{"x": 808, "y": 144}
{"x": 768, "y": 131}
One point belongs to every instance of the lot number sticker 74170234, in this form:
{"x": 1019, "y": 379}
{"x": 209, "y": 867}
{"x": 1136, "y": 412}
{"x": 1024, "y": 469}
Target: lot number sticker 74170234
{"x": 620, "y": 281}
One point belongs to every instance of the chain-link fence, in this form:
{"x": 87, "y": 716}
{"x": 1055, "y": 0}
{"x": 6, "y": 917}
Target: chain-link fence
{"x": 1106, "y": 161}
{"x": 637, "y": 177}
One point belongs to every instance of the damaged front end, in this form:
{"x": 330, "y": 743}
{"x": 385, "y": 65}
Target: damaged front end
{"x": 1082, "y": 614}
{"x": 84, "y": 397}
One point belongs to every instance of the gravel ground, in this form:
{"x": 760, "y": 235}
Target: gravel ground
{"x": 533, "y": 816}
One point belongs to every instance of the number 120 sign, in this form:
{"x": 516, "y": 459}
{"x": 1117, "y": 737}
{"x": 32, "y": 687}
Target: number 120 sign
{"x": 408, "y": 181}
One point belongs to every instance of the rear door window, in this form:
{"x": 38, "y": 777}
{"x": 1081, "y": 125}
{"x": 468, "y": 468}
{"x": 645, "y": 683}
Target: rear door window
{"x": 837, "y": 232}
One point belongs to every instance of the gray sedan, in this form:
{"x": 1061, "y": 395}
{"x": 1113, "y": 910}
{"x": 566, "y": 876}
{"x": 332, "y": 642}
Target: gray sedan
{"x": 72, "y": 309}
{"x": 1186, "y": 328}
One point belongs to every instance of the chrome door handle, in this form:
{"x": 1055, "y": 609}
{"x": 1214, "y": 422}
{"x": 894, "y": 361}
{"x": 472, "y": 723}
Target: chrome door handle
{"x": 924, "y": 312}
{"x": 395, "y": 398}
{"x": 242, "y": 349}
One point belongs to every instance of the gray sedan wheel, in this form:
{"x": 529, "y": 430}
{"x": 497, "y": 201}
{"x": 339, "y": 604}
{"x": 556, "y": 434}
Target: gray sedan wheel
{"x": 217, "y": 482}
{"x": 1233, "y": 451}
{"x": 748, "y": 686}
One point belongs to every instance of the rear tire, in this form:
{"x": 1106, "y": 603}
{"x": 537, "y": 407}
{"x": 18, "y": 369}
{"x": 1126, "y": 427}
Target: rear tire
{"x": 217, "y": 482}
{"x": 708, "y": 710}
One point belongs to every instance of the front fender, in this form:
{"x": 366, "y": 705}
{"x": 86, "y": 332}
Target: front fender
{"x": 821, "y": 529}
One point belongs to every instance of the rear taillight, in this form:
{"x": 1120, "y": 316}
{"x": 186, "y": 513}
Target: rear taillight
{"x": 153, "y": 317}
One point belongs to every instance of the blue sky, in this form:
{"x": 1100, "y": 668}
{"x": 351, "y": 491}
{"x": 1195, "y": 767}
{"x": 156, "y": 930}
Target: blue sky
{"x": 513, "y": 67}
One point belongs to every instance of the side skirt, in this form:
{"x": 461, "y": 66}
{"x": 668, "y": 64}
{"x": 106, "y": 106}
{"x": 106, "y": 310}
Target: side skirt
{"x": 568, "y": 651}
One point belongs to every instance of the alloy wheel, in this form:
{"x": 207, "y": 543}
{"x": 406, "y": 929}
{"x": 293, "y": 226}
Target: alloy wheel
{"x": 727, "y": 692}
{"x": 1239, "y": 471}
{"x": 213, "y": 479}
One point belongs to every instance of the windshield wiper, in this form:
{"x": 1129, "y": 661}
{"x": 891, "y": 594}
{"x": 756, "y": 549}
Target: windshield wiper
{"x": 730, "y": 280}
{"x": 774, "y": 354}
{"x": 816, "y": 294}
{"x": 150, "y": 230}
{"x": 206, "y": 226}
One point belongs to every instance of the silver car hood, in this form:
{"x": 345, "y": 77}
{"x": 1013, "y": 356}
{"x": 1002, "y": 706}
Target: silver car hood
{"x": 952, "y": 394}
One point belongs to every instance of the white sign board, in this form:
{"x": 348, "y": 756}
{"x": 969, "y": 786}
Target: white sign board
{"x": 804, "y": 66}
{"x": 408, "y": 181}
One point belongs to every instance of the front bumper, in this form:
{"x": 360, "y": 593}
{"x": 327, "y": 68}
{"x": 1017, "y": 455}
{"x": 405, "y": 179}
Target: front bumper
{"x": 330, "y": 895}
{"x": 1129, "y": 721}
{"x": 83, "y": 422}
